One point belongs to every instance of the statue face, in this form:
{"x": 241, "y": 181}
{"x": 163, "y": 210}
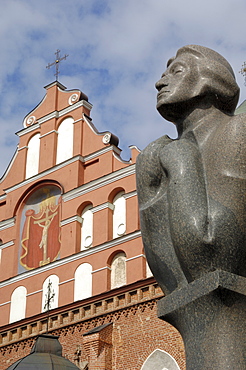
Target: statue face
{"x": 179, "y": 83}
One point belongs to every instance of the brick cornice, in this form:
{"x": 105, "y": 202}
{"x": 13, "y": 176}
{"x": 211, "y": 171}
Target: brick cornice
{"x": 94, "y": 307}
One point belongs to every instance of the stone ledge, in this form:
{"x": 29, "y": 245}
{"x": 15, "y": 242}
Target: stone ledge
{"x": 199, "y": 288}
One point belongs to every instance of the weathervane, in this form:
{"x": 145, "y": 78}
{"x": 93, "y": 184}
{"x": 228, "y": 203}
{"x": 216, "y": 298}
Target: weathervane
{"x": 243, "y": 72}
{"x": 49, "y": 297}
{"x": 56, "y": 62}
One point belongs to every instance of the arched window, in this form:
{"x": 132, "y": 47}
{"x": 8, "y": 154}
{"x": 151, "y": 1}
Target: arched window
{"x": 51, "y": 292}
{"x": 18, "y": 304}
{"x": 119, "y": 215}
{"x": 65, "y": 140}
{"x": 83, "y": 282}
{"x": 87, "y": 228}
{"x": 118, "y": 270}
{"x": 32, "y": 160}
{"x": 160, "y": 359}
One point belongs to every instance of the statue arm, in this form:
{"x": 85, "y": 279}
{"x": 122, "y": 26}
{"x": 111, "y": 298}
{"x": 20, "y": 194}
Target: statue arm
{"x": 153, "y": 204}
{"x": 186, "y": 191}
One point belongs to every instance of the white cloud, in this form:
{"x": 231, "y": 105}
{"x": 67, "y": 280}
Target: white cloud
{"x": 117, "y": 51}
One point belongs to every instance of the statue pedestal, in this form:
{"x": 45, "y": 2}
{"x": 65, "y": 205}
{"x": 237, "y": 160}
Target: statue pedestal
{"x": 210, "y": 314}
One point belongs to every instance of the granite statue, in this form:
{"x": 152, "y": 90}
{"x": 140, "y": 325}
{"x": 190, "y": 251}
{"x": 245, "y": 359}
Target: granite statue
{"x": 192, "y": 200}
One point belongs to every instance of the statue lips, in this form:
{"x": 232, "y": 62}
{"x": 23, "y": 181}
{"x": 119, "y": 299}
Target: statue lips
{"x": 162, "y": 93}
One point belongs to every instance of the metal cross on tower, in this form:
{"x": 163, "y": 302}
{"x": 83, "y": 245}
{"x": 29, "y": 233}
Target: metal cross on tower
{"x": 56, "y": 62}
{"x": 243, "y": 72}
{"x": 49, "y": 297}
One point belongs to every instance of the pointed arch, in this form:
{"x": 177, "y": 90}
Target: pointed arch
{"x": 160, "y": 360}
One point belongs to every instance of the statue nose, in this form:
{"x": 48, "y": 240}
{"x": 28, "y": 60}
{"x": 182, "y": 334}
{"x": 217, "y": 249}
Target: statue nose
{"x": 160, "y": 84}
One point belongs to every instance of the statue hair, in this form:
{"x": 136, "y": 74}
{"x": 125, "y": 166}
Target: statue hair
{"x": 218, "y": 79}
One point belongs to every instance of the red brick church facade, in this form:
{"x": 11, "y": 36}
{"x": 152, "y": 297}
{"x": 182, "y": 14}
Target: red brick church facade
{"x": 69, "y": 222}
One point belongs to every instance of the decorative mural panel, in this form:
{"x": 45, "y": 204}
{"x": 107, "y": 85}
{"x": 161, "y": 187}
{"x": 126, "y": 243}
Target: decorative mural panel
{"x": 40, "y": 228}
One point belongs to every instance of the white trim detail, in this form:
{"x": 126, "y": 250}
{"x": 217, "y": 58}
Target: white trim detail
{"x": 102, "y": 151}
{"x": 58, "y": 114}
{"x": 118, "y": 157}
{"x": 133, "y": 258}
{"x": 49, "y": 116}
{"x": 66, "y": 281}
{"x": 55, "y": 114}
{"x": 74, "y": 257}
{"x": 28, "y": 129}
{"x": 6, "y": 245}
{"x": 29, "y": 120}
{"x": 4, "y": 303}
{"x": 3, "y": 197}
{"x": 102, "y": 206}
{"x": 71, "y": 219}
{"x": 130, "y": 195}
{"x": 36, "y": 291}
{"x": 7, "y": 223}
{"x": 95, "y": 184}
{"x": 48, "y": 133}
{"x": 73, "y": 99}
{"x": 23, "y": 147}
{"x": 44, "y": 173}
{"x": 101, "y": 269}
{"x": 10, "y": 165}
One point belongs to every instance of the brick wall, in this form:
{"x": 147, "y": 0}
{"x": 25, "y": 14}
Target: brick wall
{"x": 135, "y": 332}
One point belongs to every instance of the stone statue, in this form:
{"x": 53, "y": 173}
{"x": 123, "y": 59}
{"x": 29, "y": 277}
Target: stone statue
{"x": 192, "y": 190}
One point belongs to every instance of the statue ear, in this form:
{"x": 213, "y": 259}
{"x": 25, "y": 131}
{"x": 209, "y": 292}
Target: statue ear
{"x": 221, "y": 86}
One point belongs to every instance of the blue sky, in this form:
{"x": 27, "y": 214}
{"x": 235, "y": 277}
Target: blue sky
{"x": 117, "y": 51}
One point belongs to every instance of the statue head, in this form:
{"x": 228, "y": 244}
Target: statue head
{"x": 196, "y": 73}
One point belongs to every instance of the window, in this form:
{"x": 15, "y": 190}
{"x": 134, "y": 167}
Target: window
{"x": 83, "y": 282}
{"x": 87, "y": 228}
{"x": 18, "y": 304}
{"x": 119, "y": 215}
{"x": 32, "y": 160}
{"x": 118, "y": 270}
{"x": 51, "y": 291}
{"x": 65, "y": 140}
{"x": 160, "y": 359}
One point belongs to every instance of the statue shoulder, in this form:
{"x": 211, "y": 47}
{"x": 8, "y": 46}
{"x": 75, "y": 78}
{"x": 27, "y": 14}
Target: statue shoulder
{"x": 150, "y": 156}
{"x": 148, "y": 166}
{"x": 239, "y": 121}
{"x": 154, "y": 147}
{"x": 236, "y": 127}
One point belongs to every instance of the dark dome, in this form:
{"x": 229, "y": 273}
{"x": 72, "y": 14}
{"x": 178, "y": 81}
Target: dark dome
{"x": 46, "y": 354}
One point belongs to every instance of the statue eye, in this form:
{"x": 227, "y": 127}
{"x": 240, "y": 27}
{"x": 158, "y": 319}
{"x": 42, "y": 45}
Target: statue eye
{"x": 177, "y": 69}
